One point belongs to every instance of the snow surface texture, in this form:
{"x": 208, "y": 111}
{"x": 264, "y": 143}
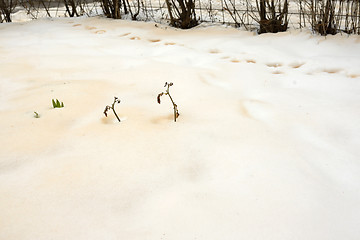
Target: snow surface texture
{"x": 266, "y": 145}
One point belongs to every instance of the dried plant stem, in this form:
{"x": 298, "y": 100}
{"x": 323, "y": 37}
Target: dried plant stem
{"x": 176, "y": 112}
{"x": 107, "y": 108}
{"x": 113, "y": 108}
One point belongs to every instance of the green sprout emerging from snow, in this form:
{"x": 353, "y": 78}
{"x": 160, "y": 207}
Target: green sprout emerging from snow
{"x": 36, "y": 115}
{"x": 57, "y": 104}
{"x": 176, "y": 112}
{"x": 107, "y": 108}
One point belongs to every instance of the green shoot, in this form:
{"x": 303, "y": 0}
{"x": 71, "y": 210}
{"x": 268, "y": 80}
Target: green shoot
{"x": 57, "y": 104}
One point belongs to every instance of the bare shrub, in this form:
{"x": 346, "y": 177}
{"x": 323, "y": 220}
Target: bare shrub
{"x": 71, "y": 7}
{"x": 6, "y": 8}
{"x": 111, "y": 8}
{"x": 350, "y": 10}
{"x": 322, "y": 16}
{"x": 332, "y": 16}
{"x": 271, "y": 15}
{"x": 134, "y": 8}
{"x": 182, "y": 13}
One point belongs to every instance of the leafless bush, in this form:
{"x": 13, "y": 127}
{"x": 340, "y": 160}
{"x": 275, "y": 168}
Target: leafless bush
{"x": 71, "y": 7}
{"x": 271, "y": 15}
{"x": 350, "y": 10}
{"x": 111, "y": 8}
{"x": 114, "y": 8}
{"x": 333, "y": 16}
{"x": 322, "y": 16}
{"x": 182, "y": 13}
{"x": 6, "y": 8}
{"x": 134, "y": 8}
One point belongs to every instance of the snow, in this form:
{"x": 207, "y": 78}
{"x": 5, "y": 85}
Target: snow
{"x": 266, "y": 145}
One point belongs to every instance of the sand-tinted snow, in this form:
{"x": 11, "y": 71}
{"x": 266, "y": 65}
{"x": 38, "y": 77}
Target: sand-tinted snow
{"x": 266, "y": 145}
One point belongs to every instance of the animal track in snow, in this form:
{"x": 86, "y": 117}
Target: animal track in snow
{"x": 234, "y": 60}
{"x": 274, "y": 65}
{"x": 296, "y": 64}
{"x": 135, "y": 38}
{"x": 277, "y": 72}
{"x": 90, "y": 28}
{"x": 154, "y": 40}
{"x": 353, "y": 75}
{"x": 125, "y": 34}
{"x": 250, "y": 61}
{"x": 76, "y": 25}
{"x": 332, "y": 70}
{"x": 170, "y": 43}
{"x": 100, "y": 32}
{"x": 214, "y": 51}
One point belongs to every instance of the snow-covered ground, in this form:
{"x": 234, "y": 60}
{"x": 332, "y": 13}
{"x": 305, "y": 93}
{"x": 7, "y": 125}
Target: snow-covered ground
{"x": 266, "y": 145}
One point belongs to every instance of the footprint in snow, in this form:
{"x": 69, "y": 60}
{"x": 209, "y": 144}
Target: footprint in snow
{"x": 135, "y": 38}
{"x": 214, "y": 51}
{"x": 332, "y": 70}
{"x": 125, "y": 34}
{"x": 277, "y": 72}
{"x": 234, "y": 60}
{"x": 353, "y": 75}
{"x": 154, "y": 40}
{"x": 90, "y": 28}
{"x": 274, "y": 65}
{"x": 296, "y": 64}
{"x": 100, "y": 32}
{"x": 250, "y": 61}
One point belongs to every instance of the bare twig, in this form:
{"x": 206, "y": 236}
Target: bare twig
{"x": 107, "y": 108}
{"x": 167, "y": 92}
